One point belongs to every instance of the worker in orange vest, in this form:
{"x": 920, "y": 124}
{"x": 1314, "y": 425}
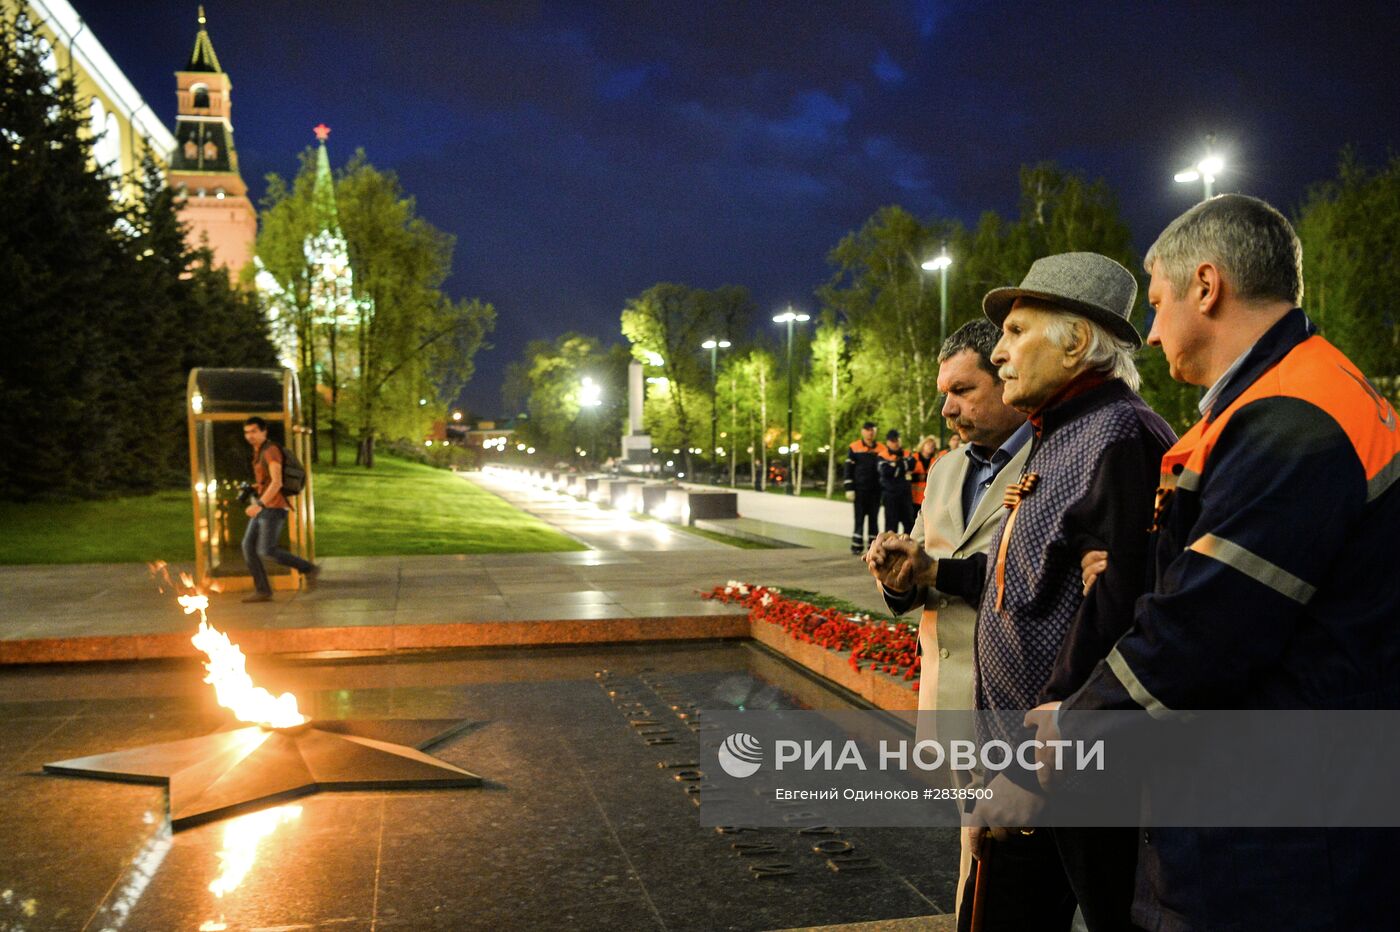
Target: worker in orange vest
{"x": 924, "y": 458}
{"x": 1275, "y": 523}
{"x": 895, "y": 466}
{"x": 862, "y": 482}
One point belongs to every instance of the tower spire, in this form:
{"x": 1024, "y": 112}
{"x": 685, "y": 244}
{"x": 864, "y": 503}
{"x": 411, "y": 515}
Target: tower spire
{"x": 203, "y": 57}
{"x": 204, "y": 166}
{"x": 323, "y": 192}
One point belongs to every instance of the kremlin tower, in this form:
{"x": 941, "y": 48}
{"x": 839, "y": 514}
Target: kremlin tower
{"x": 204, "y": 166}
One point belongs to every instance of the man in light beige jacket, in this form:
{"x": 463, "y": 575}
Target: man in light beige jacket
{"x": 961, "y": 511}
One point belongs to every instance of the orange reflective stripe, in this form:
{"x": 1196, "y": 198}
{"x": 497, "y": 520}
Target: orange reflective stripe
{"x": 1174, "y": 471}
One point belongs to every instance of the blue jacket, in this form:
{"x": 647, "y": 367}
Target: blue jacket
{"x": 895, "y": 469}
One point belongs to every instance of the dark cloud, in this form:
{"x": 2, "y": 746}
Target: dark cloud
{"x": 887, "y": 69}
{"x": 581, "y": 152}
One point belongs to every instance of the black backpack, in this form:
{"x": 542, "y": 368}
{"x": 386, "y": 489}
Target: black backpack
{"x": 293, "y": 472}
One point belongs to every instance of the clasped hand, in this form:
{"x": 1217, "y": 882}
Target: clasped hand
{"x": 900, "y": 563}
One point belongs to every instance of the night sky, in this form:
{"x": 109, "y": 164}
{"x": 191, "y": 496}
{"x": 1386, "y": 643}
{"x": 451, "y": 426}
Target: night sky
{"x": 583, "y": 151}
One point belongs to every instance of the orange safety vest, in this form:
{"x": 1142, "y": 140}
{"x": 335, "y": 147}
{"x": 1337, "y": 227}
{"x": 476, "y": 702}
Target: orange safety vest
{"x": 1317, "y": 372}
{"x": 918, "y": 477}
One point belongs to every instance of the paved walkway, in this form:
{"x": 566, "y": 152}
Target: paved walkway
{"x": 799, "y": 511}
{"x": 598, "y": 528}
{"x": 776, "y": 535}
{"x": 649, "y": 590}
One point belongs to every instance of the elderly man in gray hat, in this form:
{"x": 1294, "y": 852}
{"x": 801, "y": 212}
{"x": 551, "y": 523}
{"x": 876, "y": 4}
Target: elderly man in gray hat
{"x": 1066, "y": 360}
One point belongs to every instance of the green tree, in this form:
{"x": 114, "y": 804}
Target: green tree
{"x": 408, "y": 347}
{"x": 1062, "y": 212}
{"x": 1349, "y": 226}
{"x": 554, "y": 371}
{"x": 749, "y": 379}
{"x": 412, "y": 341}
{"x": 189, "y": 316}
{"x": 882, "y": 291}
{"x": 287, "y": 218}
{"x": 670, "y": 321}
{"x": 892, "y": 313}
{"x": 63, "y": 268}
{"x": 106, "y": 307}
{"x": 824, "y": 399}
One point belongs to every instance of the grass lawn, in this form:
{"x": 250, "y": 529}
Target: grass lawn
{"x": 400, "y": 507}
{"x": 117, "y": 530}
{"x": 396, "y": 508}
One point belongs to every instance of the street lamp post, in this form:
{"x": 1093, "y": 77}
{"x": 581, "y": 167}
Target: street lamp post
{"x": 939, "y": 264}
{"x": 714, "y": 346}
{"x": 1204, "y": 171}
{"x": 590, "y": 395}
{"x": 788, "y": 317}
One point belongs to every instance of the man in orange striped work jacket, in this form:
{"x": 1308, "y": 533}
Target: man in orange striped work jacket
{"x": 1276, "y": 583}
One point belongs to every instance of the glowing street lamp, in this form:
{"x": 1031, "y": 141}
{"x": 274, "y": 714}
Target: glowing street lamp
{"x": 590, "y": 393}
{"x": 714, "y": 346}
{"x": 939, "y": 264}
{"x": 1204, "y": 171}
{"x": 788, "y": 317}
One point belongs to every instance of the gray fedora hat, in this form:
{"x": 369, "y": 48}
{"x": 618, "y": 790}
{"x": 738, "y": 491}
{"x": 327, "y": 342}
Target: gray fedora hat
{"x": 1085, "y": 283}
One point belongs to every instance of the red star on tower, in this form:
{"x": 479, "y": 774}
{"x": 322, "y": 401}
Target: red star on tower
{"x": 322, "y": 131}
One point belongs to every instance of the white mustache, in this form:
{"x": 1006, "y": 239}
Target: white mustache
{"x": 1007, "y": 371}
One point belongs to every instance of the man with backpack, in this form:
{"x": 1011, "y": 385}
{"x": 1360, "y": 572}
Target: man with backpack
{"x": 275, "y": 475}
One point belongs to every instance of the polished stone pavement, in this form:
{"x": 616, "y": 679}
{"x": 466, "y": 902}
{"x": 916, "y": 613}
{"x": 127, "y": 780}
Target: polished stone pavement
{"x": 641, "y": 580}
{"x": 577, "y": 827}
{"x": 646, "y": 593}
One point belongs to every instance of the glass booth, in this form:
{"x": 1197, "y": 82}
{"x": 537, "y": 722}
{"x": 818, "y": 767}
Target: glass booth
{"x": 217, "y": 403}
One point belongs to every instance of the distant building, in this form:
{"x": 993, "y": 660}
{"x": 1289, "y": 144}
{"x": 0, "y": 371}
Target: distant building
{"x": 489, "y": 435}
{"x": 123, "y": 124}
{"x": 204, "y": 164}
{"x": 199, "y": 160}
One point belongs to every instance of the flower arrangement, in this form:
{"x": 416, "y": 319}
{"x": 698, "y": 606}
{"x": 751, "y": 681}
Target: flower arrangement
{"x": 890, "y": 648}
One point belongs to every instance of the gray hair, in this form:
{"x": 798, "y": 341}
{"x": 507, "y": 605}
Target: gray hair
{"x": 1105, "y": 353}
{"x": 1250, "y": 241}
{"x": 980, "y": 336}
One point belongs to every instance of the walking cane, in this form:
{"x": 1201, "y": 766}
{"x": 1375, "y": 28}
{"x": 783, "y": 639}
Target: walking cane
{"x": 979, "y": 886}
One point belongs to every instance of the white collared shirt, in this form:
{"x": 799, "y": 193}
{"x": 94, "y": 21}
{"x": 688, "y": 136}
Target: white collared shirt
{"x": 1212, "y": 393}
